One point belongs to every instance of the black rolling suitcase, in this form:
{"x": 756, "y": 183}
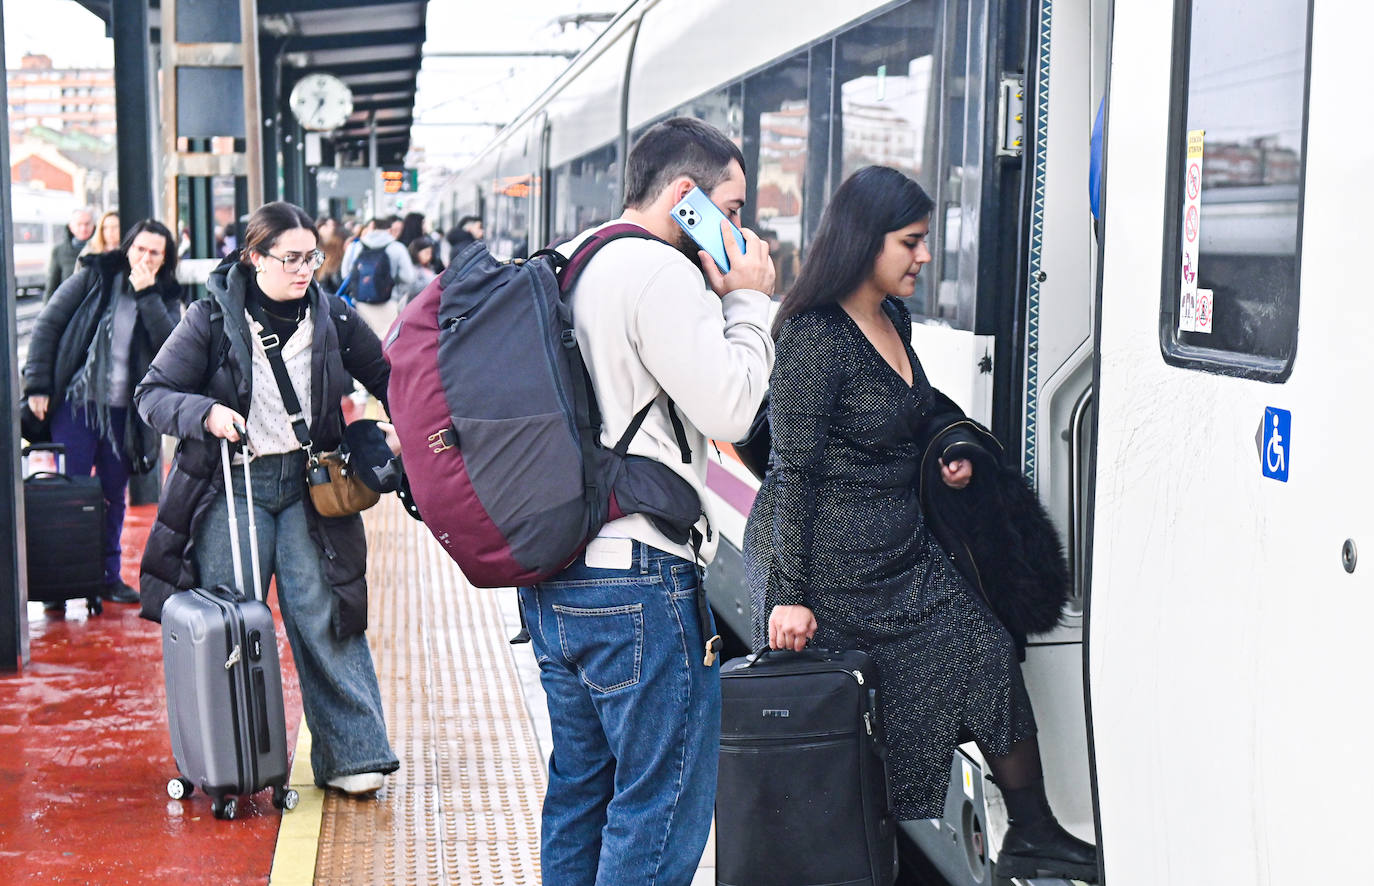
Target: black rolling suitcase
{"x": 224, "y": 697}
{"x": 802, "y": 798}
{"x": 64, "y": 532}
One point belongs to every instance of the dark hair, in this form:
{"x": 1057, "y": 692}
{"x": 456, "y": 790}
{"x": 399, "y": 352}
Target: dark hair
{"x": 870, "y": 204}
{"x": 270, "y": 222}
{"x": 167, "y": 274}
{"x": 678, "y": 146}
{"x": 412, "y": 226}
{"x": 467, "y": 220}
{"x": 417, "y": 246}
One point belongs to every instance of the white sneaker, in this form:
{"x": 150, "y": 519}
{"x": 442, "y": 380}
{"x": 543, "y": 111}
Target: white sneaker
{"x": 357, "y": 784}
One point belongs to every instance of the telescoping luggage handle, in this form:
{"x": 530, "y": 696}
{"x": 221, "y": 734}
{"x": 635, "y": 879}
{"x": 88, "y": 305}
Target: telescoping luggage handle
{"x": 233, "y": 516}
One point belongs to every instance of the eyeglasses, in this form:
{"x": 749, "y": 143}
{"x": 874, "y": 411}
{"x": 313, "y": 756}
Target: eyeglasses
{"x": 294, "y": 262}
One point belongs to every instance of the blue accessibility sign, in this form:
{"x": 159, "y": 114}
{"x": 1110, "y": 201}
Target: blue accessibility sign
{"x": 1276, "y": 454}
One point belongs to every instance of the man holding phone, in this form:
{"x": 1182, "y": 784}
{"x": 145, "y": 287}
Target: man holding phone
{"x": 634, "y": 704}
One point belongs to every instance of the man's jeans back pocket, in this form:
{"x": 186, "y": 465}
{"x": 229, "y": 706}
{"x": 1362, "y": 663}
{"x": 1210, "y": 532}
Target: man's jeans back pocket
{"x": 605, "y": 644}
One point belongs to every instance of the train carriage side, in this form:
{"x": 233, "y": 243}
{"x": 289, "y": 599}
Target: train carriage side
{"x": 1228, "y": 669}
{"x": 812, "y": 92}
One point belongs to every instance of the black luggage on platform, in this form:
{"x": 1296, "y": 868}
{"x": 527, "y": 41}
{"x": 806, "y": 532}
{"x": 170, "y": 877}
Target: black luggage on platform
{"x": 802, "y": 797}
{"x": 224, "y": 697}
{"x": 64, "y": 531}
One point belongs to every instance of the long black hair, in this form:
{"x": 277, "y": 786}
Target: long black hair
{"x": 871, "y": 203}
{"x": 167, "y": 274}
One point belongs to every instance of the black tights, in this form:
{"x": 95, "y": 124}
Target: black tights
{"x": 1022, "y": 781}
{"x": 1018, "y": 768}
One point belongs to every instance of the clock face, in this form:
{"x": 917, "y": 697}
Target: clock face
{"x": 321, "y": 102}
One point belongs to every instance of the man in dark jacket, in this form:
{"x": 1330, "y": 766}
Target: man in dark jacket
{"x": 64, "y": 252}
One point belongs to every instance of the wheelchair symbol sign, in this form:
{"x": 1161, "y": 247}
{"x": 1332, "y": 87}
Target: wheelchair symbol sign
{"x": 1277, "y": 450}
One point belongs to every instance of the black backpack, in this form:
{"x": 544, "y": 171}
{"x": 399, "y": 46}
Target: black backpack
{"x": 371, "y": 275}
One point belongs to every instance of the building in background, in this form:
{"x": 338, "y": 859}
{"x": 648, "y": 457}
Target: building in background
{"x": 63, "y": 99}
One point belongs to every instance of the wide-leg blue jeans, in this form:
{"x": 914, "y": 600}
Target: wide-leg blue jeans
{"x": 339, "y": 690}
{"x": 636, "y": 722}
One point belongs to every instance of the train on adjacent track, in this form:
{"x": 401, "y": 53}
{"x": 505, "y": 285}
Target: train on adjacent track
{"x": 40, "y": 221}
{"x": 1125, "y": 314}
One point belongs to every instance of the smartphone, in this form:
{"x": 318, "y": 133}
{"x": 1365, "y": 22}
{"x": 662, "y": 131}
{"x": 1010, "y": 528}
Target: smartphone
{"x": 701, "y": 219}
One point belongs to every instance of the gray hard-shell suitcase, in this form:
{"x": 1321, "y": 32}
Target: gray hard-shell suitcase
{"x": 224, "y": 697}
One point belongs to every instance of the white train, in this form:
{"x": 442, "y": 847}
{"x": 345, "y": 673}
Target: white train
{"x": 1185, "y": 381}
{"x": 40, "y": 221}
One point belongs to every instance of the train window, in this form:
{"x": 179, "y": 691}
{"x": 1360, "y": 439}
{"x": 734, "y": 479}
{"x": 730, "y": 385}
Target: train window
{"x": 28, "y": 232}
{"x": 722, "y": 109}
{"x": 1233, "y": 234}
{"x": 586, "y": 192}
{"x": 884, "y": 71}
{"x": 777, "y": 130}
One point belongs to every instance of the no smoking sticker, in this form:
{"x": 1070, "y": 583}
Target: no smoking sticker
{"x": 1194, "y": 305}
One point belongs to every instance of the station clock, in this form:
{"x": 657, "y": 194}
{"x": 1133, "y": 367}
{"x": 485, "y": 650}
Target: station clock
{"x": 321, "y": 102}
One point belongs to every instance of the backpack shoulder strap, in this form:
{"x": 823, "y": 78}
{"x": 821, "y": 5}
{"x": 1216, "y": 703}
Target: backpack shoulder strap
{"x": 567, "y": 276}
{"x": 217, "y": 343}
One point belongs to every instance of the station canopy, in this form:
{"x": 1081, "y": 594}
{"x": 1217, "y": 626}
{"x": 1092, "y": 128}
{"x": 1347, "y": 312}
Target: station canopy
{"x": 372, "y": 45}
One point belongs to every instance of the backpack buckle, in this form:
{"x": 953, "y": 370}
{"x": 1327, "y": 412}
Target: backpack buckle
{"x": 569, "y": 338}
{"x": 441, "y": 440}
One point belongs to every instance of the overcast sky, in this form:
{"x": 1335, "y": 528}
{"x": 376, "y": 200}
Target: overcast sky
{"x": 451, "y": 91}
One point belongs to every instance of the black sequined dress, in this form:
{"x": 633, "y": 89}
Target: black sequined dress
{"x": 837, "y": 526}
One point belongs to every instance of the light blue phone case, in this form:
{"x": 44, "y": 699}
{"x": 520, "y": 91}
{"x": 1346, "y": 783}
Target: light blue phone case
{"x": 701, "y": 219}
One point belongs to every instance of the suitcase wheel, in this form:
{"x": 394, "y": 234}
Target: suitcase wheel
{"x": 224, "y": 807}
{"x": 179, "y": 788}
{"x": 95, "y": 605}
{"x": 285, "y": 798}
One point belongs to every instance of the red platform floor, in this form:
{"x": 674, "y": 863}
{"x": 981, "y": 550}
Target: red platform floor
{"x": 85, "y": 758}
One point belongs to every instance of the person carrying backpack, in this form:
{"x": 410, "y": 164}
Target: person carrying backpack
{"x": 377, "y": 267}
{"x": 634, "y": 705}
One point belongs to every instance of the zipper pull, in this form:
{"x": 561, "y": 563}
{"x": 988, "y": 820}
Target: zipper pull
{"x": 858, "y": 675}
{"x": 868, "y": 723}
{"x": 234, "y": 657}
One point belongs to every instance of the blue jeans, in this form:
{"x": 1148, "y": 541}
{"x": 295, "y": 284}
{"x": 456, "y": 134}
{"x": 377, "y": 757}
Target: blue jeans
{"x": 74, "y": 428}
{"x": 338, "y": 681}
{"x": 636, "y": 722}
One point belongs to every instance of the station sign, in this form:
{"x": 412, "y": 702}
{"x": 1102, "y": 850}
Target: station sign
{"x": 400, "y": 181}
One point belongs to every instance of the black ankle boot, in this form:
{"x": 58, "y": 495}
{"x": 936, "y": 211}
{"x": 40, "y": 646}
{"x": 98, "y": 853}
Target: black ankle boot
{"x": 1037, "y": 846}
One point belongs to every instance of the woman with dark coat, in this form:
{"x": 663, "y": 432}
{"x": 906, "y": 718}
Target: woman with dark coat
{"x": 212, "y": 373}
{"x": 839, "y": 551}
{"x": 90, "y": 345}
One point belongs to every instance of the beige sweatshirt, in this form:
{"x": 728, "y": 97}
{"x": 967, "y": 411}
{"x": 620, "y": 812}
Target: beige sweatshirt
{"x": 648, "y": 324}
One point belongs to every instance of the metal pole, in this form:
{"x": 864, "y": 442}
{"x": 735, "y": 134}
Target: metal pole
{"x": 252, "y": 107}
{"x": 136, "y": 149}
{"x": 133, "y": 105}
{"x": 374, "y": 196}
{"x": 14, "y": 598}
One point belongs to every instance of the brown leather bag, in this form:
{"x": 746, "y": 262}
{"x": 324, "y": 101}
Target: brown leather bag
{"x": 344, "y": 493}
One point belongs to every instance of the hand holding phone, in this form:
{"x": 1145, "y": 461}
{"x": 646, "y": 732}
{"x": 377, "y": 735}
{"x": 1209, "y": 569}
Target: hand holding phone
{"x": 701, "y": 219}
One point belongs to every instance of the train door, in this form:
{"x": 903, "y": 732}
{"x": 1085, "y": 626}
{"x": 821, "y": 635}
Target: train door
{"x": 1229, "y": 610}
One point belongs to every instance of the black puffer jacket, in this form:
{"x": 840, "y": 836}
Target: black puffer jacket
{"x": 64, "y": 329}
{"x": 175, "y": 398}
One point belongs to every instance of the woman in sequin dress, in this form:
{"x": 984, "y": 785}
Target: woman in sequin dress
{"x": 839, "y": 554}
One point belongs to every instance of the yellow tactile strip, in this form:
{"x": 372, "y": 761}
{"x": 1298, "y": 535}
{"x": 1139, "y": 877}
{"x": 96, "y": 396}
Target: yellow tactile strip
{"x": 464, "y": 807}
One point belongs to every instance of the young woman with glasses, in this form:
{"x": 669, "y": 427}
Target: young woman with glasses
{"x": 213, "y": 377}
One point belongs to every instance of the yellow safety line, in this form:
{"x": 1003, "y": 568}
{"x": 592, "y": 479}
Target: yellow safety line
{"x": 298, "y": 840}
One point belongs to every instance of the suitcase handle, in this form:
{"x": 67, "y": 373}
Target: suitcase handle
{"x": 808, "y": 653}
{"x": 44, "y": 447}
{"x": 233, "y": 516}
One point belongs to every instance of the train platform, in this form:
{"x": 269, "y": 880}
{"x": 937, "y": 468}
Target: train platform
{"x": 85, "y": 754}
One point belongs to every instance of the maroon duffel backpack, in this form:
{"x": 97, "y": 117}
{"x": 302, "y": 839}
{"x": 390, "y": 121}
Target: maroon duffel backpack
{"x": 499, "y": 429}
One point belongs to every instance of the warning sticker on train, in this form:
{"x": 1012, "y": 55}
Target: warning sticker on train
{"x": 1194, "y": 305}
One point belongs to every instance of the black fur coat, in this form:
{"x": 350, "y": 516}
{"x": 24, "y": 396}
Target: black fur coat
{"x": 999, "y": 534}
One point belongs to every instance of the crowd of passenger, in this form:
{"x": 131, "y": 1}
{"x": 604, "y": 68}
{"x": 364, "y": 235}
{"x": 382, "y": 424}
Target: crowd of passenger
{"x": 838, "y": 546}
